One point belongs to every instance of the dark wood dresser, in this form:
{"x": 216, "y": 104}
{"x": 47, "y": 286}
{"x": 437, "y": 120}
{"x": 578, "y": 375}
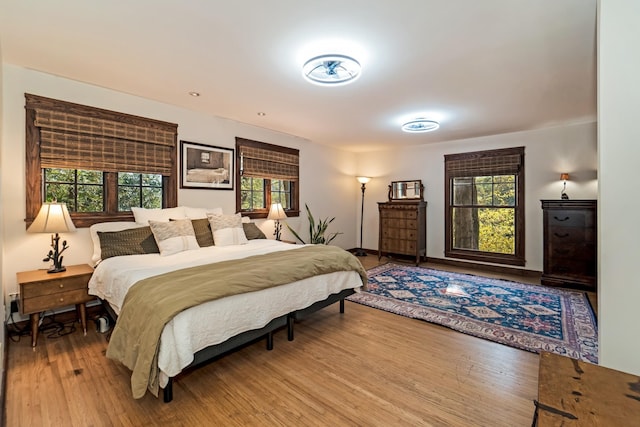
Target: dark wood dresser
{"x": 403, "y": 228}
{"x": 570, "y": 248}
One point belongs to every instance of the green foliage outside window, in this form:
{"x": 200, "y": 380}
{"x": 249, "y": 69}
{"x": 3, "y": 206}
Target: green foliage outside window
{"x": 139, "y": 190}
{"x": 83, "y": 190}
{"x": 254, "y": 195}
{"x": 484, "y": 213}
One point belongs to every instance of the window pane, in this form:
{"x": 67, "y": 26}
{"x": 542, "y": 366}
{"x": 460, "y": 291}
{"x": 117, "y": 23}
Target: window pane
{"x": 497, "y": 230}
{"x": 150, "y": 180}
{"x": 90, "y": 177}
{"x": 90, "y": 198}
{"x": 63, "y": 193}
{"x": 151, "y": 197}
{"x": 127, "y": 178}
{"x": 128, "y": 197}
{"x": 462, "y": 191}
{"x": 59, "y": 175}
{"x": 484, "y": 229}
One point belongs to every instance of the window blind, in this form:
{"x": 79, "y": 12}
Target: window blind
{"x": 261, "y": 160}
{"x": 80, "y": 137}
{"x": 506, "y": 161}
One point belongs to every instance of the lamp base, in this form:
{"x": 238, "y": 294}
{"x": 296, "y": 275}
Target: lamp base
{"x": 57, "y": 269}
{"x": 360, "y": 252}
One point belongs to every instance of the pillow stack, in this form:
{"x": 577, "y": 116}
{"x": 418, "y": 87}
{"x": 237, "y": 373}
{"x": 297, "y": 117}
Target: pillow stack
{"x": 227, "y": 230}
{"x": 174, "y": 236}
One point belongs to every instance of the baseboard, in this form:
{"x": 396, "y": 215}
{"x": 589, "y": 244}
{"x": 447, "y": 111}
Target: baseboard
{"x": 486, "y": 267}
{"x": 500, "y": 269}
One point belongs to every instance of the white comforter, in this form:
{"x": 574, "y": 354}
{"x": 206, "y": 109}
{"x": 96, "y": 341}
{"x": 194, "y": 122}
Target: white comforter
{"x": 216, "y": 321}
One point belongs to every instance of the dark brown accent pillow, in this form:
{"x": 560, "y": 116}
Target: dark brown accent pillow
{"x": 252, "y": 231}
{"x": 202, "y": 228}
{"x": 132, "y": 241}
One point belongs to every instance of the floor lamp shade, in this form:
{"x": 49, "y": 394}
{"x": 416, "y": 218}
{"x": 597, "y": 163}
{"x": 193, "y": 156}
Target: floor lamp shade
{"x": 53, "y": 218}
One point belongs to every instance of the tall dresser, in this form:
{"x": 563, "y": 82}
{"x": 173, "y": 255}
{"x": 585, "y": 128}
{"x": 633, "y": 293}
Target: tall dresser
{"x": 403, "y": 228}
{"x": 570, "y": 243}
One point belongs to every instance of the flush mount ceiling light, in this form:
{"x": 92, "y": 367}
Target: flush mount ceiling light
{"x": 420, "y": 125}
{"x": 331, "y": 70}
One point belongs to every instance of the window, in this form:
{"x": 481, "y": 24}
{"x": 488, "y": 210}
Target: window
{"x": 484, "y": 196}
{"x": 99, "y": 162}
{"x": 267, "y": 174}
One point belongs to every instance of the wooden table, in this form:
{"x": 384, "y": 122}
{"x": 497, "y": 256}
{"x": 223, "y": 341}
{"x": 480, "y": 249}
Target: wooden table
{"x": 41, "y": 291}
{"x": 575, "y": 393}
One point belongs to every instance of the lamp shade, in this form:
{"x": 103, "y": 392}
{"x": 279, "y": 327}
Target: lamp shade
{"x": 363, "y": 179}
{"x": 276, "y": 212}
{"x": 564, "y": 176}
{"x": 52, "y": 218}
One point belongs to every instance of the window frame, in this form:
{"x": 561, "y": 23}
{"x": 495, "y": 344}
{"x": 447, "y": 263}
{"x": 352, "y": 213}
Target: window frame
{"x": 34, "y": 183}
{"x": 294, "y": 209}
{"x": 518, "y": 258}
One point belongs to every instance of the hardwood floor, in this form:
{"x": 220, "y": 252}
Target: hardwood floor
{"x": 365, "y": 367}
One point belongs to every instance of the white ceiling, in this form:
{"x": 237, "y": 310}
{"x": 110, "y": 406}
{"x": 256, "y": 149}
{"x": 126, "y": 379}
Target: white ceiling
{"x": 480, "y": 67}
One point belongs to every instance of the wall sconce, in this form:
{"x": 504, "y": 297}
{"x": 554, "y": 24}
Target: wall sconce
{"x": 276, "y": 213}
{"x": 53, "y": 218}
{"x": 565, "y": 178}
{"x": 362, "y": 180}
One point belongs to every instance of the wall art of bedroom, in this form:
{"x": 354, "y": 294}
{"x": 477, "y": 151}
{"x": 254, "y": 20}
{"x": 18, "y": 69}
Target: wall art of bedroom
{"x": 206, "y": 166}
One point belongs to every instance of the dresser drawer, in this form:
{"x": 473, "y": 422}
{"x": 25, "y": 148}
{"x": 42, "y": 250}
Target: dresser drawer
{"x": 403, "y": 247}
{"x": 574, "y": 250}
{"x": 398, "y": 214}
{"x": 399, "y": 224}
{"x": 46, "y": 302}
{"x": 36, "y": 289}
{"x": 571, "y": 266}
{"x": 399, "y": 233}
{"x": 571, "y": 218}
{"x": 568, "y": 235}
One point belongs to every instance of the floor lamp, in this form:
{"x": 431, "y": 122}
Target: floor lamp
{"x": 362, "y": 180}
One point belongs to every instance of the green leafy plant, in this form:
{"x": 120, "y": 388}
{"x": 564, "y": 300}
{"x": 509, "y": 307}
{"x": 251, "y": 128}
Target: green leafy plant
{"x": 317, "y": 230}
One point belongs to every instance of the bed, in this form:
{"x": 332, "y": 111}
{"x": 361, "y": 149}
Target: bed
{"x": 211, "y": 328}
{"x": 212, "y": 176}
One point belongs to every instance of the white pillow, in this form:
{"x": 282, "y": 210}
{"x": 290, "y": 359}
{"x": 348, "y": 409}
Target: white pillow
{"x": 106, "y": 226}
{"x": 199, "y": 213}
{"x": 227, "y": 230}
{"x": 174, "y": 236}
{"x": 143, "y": 215}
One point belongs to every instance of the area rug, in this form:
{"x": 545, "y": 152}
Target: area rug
{"x": 528, "y": 317}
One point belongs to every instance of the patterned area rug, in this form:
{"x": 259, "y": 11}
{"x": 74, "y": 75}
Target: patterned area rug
{"x": 528, "y": 317}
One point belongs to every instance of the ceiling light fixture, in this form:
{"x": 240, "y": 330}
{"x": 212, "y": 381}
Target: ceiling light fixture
{"x": 331, "y": 70}
{"x": 262, "y": 113}
{"x": 420, "y": 125}
{"x": 194, "y": 94}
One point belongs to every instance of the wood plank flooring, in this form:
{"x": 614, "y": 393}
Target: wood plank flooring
{"x": 363, "y": 368}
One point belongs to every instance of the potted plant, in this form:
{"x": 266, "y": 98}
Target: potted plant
{"x": 317, "y": 230}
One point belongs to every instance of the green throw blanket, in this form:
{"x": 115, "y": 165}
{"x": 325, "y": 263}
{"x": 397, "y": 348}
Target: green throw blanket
{"x": 153, "y": 302}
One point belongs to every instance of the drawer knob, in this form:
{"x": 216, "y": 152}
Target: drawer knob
{"x": 61, "y": 299}
{"x": 566, "y": 218}
{"x": 61, "y": 285}
{"x": 561, "y": 235}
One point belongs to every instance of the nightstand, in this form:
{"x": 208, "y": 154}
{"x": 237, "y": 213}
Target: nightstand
{"x": 41, "y": 291}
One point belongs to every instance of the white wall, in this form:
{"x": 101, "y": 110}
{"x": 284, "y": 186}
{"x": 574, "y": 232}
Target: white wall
{"x": 2, "y": 306}
{"x": 326, "y": 174}
{"x": 619, "y": 208}
{"x": 548, "y": 152}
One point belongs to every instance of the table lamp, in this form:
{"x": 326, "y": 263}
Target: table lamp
{"x": 276, "y": 213}
{"x": 53, "y": 218}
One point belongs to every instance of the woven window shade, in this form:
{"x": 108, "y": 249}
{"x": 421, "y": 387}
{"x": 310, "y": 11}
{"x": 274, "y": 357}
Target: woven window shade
{"x": 269, "y": 164}
{"x": 74, "y": 141}
{"x": 485, "y": 163}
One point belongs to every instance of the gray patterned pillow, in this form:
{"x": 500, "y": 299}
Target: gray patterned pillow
{"x": 252, "y": 231}
{"x": 174, "y": 236}
{"x": 133, "y": 241}
{"x": 227, "y": 230}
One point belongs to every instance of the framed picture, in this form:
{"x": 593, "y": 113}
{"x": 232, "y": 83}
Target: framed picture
{"x": 206, "y": 166}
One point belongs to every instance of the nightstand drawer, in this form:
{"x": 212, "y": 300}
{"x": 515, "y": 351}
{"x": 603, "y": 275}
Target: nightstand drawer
{"x": 36, "y": 289}
{"x": 47, "y": 302}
